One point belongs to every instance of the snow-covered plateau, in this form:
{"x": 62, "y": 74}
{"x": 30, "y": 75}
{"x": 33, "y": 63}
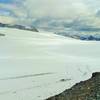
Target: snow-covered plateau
{"x": 37, "y": 65}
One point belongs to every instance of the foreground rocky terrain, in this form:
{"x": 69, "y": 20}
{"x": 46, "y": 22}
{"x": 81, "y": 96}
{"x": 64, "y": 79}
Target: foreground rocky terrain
{"x": 85, "y": 90}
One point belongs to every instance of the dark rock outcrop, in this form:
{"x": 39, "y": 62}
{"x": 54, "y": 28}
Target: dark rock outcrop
{"x": 29, "y": 28}
{"x": 85, "y": 90}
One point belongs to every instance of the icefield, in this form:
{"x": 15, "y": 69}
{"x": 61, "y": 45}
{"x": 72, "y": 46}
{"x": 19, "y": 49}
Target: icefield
{"x": 37, "y": 65}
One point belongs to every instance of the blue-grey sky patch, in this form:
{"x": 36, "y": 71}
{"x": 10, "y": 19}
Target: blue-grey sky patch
{"x": 6, "y": 1}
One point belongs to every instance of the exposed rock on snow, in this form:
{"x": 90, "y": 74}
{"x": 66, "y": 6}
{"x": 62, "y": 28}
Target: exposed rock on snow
{"x": 85, "y": 90}
{"x": 30, "y": 28}
{"x": 2, "y": 34}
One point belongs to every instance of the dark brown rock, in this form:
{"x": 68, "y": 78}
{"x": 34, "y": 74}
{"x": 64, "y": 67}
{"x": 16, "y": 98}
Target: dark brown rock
{"x": 85, "y": 90}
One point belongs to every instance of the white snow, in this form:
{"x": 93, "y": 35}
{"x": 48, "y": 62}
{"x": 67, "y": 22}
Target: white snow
{"x": 32, "y": 64}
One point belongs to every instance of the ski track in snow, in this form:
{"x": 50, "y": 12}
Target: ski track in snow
{"x": 35, "y": 66}
{"x": 25, "y": 76}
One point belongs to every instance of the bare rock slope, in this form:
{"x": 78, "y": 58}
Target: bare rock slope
{"x": 85, "y": 90}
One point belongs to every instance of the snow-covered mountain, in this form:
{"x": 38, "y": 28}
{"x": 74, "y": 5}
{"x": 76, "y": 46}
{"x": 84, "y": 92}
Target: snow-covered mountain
{"x": 33, "y": 64}
{"x": 79, "y": 29}
{"x": 75, "y": 28}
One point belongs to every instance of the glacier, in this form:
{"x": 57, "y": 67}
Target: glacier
{"x": 33, "y": 64}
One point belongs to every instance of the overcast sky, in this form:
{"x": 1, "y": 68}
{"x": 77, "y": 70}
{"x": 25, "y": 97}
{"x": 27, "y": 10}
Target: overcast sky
{"x": 57, "y": 8}
{"x": 62, "y": 8}
{"x": 67, "y": 9}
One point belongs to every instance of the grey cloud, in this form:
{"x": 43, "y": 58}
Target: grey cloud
{"x": 57, "y": 8}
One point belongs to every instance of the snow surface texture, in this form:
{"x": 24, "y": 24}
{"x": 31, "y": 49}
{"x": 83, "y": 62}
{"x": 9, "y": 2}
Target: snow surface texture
{"x": 35, "y": 66}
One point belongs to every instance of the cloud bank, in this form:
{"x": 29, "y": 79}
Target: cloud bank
{"x": 66, "y": 9}
{"x": 57, "y": 8}
{"x": 54, "y": 8}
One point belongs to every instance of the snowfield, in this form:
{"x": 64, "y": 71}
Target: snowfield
{"x": 35, "y": 66}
